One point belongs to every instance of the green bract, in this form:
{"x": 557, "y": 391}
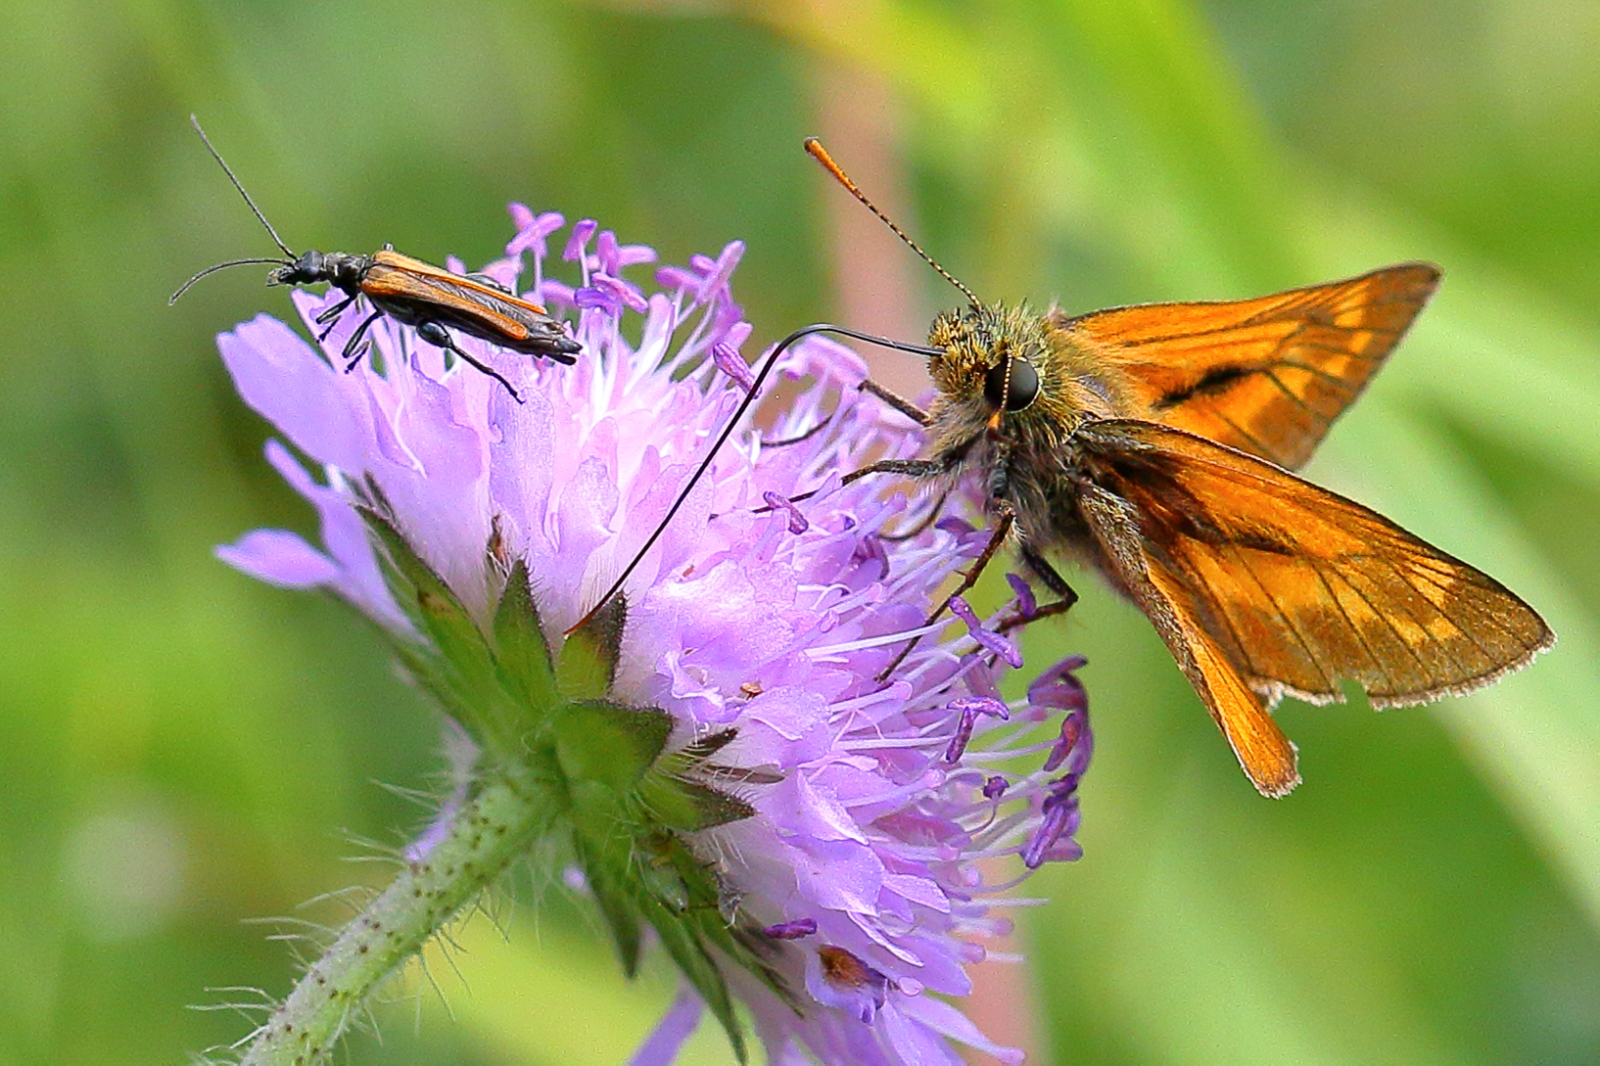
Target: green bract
{"x": 601, "y": 772}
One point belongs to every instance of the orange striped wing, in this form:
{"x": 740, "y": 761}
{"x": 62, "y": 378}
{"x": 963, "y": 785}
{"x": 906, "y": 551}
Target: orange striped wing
{"x": 1263, "y": 585}
{"x": 1266, "y": 376}
{"x": 399, "y": 277}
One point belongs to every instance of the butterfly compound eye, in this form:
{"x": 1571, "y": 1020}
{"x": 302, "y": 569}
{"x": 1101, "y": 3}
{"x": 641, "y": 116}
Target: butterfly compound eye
{"x": 1014, "y": 390}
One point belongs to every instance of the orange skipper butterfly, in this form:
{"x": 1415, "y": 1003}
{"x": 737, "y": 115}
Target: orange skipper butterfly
{"x": 1156, "y": 445}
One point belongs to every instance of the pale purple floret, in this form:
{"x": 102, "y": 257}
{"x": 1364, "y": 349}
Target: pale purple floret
{"x": 753, "y": 611}
{"x": 969, "y": 707}
{"x": 797, "y": 518}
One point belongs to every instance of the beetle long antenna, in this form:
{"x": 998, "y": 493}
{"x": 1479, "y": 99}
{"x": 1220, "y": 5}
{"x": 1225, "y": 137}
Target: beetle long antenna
{"x": 195, "y": 122}
{"x": 727, "y": 431}
{"x": 212, "y": 270}
{"x": 820, "y": 154}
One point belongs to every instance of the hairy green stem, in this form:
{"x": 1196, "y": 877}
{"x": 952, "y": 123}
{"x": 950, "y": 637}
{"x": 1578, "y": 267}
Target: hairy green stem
{"x": 483, "y": 838}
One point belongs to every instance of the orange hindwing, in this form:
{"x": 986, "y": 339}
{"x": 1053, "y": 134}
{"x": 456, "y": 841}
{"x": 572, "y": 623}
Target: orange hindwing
{"x": 1264, "y": 585}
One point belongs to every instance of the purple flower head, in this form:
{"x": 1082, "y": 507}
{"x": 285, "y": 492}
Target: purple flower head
{"x": 742, "y": 682}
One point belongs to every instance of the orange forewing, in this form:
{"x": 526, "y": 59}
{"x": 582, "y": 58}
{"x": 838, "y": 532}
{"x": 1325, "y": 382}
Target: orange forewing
{"x": 1262, "y": 585}
{"x": 1267, "y": 376}
{"x": 399, "y": 276}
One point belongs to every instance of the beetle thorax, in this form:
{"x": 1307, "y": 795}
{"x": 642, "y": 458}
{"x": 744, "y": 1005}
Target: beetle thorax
{"x": 336, "y": 268}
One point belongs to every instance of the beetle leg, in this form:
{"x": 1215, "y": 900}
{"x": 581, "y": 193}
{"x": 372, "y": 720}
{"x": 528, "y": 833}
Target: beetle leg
{"x": 331, "y": 317}
{"x": 355, "y": 348}
{"x": 439, "y": 337}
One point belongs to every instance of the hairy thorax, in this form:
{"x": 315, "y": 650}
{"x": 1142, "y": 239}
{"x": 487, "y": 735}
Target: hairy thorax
{"x": 1025, "y": 457}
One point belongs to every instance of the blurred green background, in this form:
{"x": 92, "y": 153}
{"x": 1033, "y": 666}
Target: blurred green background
{"x": 182, "y": 749}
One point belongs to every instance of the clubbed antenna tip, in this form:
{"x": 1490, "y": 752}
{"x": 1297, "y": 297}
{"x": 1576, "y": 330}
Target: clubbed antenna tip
{"x": 820, "y": 154}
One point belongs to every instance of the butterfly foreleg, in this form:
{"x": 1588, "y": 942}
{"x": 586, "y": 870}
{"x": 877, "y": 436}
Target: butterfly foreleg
{"x": 908, "y": 467}
{"x": 1005, "y": 518}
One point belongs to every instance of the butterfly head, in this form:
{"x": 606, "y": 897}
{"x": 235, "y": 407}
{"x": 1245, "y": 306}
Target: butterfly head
{"x": 993, "y": 360}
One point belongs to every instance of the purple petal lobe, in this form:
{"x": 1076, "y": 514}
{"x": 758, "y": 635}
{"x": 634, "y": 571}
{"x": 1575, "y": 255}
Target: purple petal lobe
{"x": 994, "y": 642}
{"x": 795, "y": 930}
{"x": 280, "y": 376}
{"x": 280, "y": 558}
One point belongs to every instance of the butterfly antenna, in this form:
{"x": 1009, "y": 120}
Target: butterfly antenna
{"x": 820, "y": 154}
{"x": 195, "y": 122}
{"x": 727, "y": 431}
